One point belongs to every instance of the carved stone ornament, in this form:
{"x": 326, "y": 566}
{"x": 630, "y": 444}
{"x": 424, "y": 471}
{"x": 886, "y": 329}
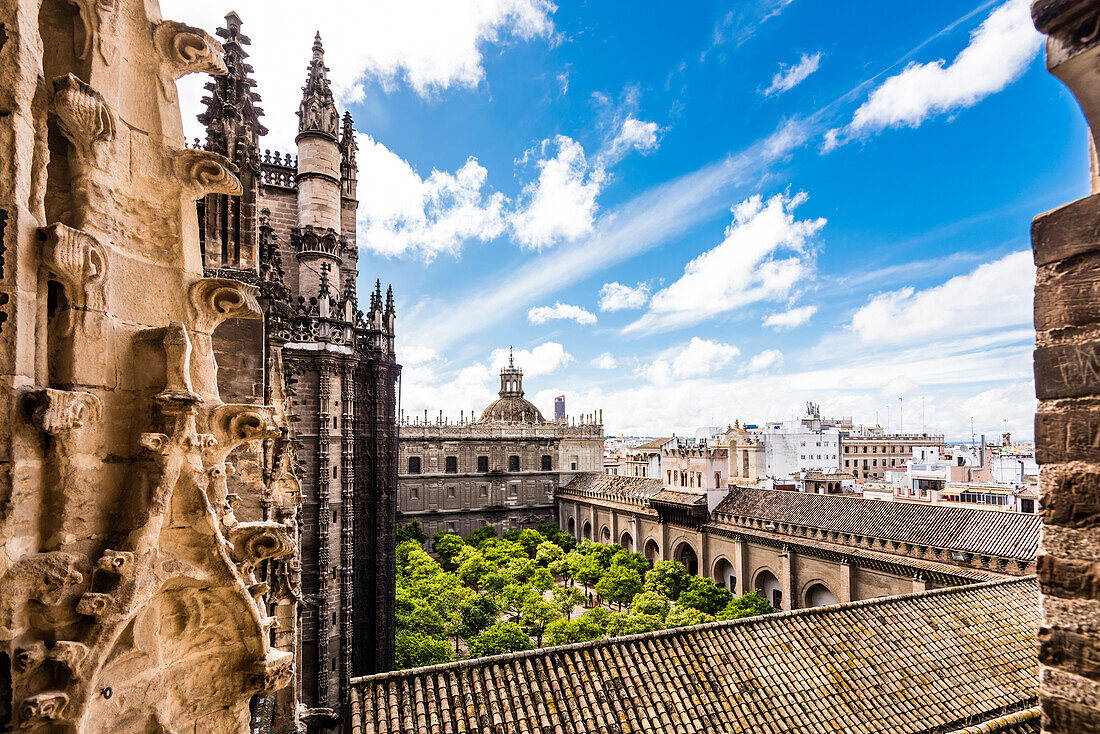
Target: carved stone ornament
{"x": 236, "y": 424}
{"x": 98, "y": 17}
{"x": 213, "y": 300}
{"x": 202, "y": 172}
{"x": 85, "y": 118}
{"x": 49, "y": 706}
{"x": 185, "y": 50}
{"x": 115, "y": 562}
{"x": 259, "y": 541}
{"x": 275, "y": 672}
{"x": 79, "y": 261}
{"x": 60, "y": 411}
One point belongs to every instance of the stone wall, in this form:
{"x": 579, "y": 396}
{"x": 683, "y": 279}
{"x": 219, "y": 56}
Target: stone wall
{"x": 1067, "y": 382}
{"x": 132, "y": 597}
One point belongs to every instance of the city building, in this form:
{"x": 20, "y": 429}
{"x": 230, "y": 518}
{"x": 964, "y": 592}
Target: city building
{"x": 868, "y": 452}
{"x": 808, "y": 443}
{"x": 644, "y": 460}
{"x": 559, "y": 409}
{"x": 502, "y": 469}
{"x": 291, "y": 233}
{"x": 747, "y": 455}
{"x": 832, "y": 481}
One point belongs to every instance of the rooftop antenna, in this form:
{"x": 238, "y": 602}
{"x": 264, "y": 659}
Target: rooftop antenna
{"x": 971, "y": 430}
{"x": 511, "y": 363}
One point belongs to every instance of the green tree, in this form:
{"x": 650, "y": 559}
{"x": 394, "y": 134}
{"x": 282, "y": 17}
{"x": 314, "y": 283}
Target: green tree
{"x": 619, "y": 584}
{"x": 633, "y": 624}
{"x": 498, "y": 639}
{"x": 522, "y": 569}
{"x": 567, "y": 631}
{"x": 514, "y": 596}
{"x": 535, "y": 615}
{"x": 447, "y": 546}
{"x": 746, "y": 605}
{"x": 416, "y": 615}
{"x": 635, "y": 561}
{"x": 530, "y": 540}
{"x": 668, "y": 578}
{"x": 411, "y": 531}
{"x": 560, "y": 568}
{"x": 574, "y": 559}
{"x": 502, "y": 551}
{"x": 483, "y": 533}
{"x": 683, "y": 616}
{"x": 651, "y": 603}
{"x": 704, "y": 595}
{"x": 566, "y": 598}
{"x": 495, "y": 582}
{"x": 548, "y": 552}
{"x": 598, "y": 618}
{"x": 413, "y": 649}
{"x": 588, "y": 571}
{"x": 474, "y": 569}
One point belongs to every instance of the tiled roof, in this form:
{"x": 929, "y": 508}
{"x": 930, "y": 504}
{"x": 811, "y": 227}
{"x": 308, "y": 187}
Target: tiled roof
{"x": 673, "y": 496}
{"x": 935, "y": 662}
{"x": 613, "y": 486}
{"x": 1018, "y": 722}
{"x": 983, "y": 532}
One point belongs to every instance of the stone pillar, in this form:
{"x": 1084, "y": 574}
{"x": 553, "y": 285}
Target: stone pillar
{"x": 347, "y": 521}
{"x": 324, "y": 560}
{"x": 1067, "y": 382}
{"x": 786, "y": 578}
{"x": 847, "y": 573}
{"x": 741, "y": 566}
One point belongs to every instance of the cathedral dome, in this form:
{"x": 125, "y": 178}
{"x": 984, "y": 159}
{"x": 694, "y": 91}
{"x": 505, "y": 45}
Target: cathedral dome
{"x": 511, "y": 406}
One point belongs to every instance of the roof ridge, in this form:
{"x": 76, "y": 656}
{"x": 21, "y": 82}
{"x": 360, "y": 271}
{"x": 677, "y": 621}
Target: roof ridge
{"x": 721, "y": 624}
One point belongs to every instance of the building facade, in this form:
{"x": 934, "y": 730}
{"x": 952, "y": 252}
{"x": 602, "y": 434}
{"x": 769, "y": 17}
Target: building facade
{"x": 867, "y": 453}
{"x": 502, "y": 469}
{"x": 291, "y": 233}
{"x": 800, "y": 549}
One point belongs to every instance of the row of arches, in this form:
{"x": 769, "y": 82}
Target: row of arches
{"x": 766, "y": 583}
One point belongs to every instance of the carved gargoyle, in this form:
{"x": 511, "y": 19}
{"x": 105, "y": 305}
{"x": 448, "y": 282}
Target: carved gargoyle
{"x": 85, "y": 118}
{"x": 202, "y": 172}
{"x": 259, "y": 541}
{"x": 185, "y": 49}
{"x": 44, "y": 577}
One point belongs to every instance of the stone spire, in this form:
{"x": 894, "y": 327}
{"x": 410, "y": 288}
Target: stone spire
{"x": 348, "y": 145}
{"x": 317, "y": 111}
{"x": 232, "y": 114}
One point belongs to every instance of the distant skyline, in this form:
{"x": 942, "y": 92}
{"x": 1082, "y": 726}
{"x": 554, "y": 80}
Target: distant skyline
{"x": 685, "y": 218}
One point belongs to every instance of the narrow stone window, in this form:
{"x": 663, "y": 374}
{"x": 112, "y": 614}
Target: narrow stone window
{"x": 414, "y": 465}
{"x": 452, "y": 464}
{"x": 513, "y": 462}
{"x": 483, "y": 464}
{"x": 546, "y": 462}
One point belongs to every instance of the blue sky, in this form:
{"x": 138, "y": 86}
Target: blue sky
{"x": 690, "y": 213}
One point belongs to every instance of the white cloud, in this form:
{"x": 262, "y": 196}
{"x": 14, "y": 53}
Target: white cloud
{"x": 994, "y": 295}
{"x": 790, "y": 319}
{"x": 542, "y": 360}
{"x": 561, "y": 203}
{"x": 764, "y": 254}
{"x": 788, "y": 77}
{"x": 401, "y": 213}
{"x": 1000, "y": 50}
{"x": 697, "y": 358}
{"x": 412, "y": 355}
{"x": 616, "y": 297}
{"x": 634, "y": 135}
{"x": 431, "y": 45}
{"x": 560, "y": 311}
{"x": 766, "y": 360}
{"x": 605, "y": 361}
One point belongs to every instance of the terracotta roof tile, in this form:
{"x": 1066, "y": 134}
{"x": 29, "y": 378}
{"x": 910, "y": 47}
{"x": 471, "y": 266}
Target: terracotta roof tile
{"x": 944, "y": 661}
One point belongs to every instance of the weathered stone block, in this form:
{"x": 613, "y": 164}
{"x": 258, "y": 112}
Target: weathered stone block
{"x": 1073, "y": 229}
{"x": 1067, "y": 370}
{"x": 1071, "y": 496}
{"x": 1068, "y": 294}
{"x": 1075, "y": 651}
{"x": 1067, "y": 434}
{"x": 1069, "y": 577}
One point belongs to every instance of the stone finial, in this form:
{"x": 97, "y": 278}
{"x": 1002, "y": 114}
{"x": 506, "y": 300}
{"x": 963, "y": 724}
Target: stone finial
{"x": 317, "y": 110}
{"x": 185, "y": 49}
